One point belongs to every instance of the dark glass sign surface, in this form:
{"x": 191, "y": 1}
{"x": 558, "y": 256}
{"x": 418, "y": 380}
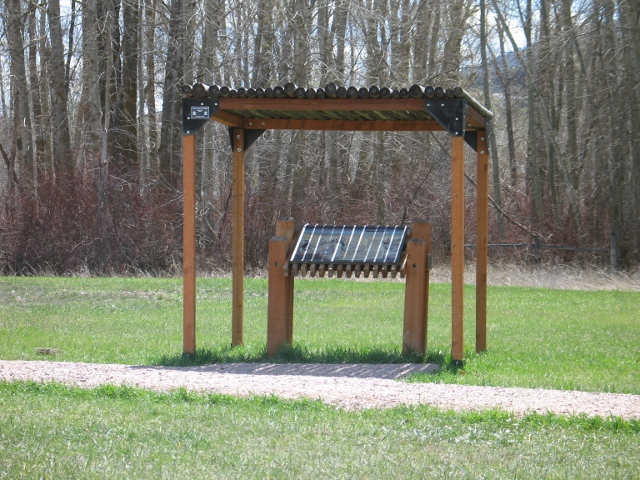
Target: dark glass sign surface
{"x": 349, "y": 244}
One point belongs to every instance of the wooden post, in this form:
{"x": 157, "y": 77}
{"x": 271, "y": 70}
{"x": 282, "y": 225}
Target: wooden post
{"x": 287, "y": 229}
{"x": 237, "y": 254}
{"x": 421, "y": 230}
{"x": 482, "y": 241}
{"x": 189, "y": 244}
{"x": 457, "y": 249}
{"x": 278, "y": 321}
{"x": 416, "y": 299}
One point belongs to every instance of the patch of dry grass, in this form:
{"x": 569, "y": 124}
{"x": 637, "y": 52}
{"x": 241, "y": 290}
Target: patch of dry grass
{"x": 559, "y": 277}
{"x": 502, "y": 274}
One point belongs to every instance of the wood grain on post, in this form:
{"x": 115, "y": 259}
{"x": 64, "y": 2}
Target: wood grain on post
{"x": 415, "y": 314}
{"x": 482, "y": 241}
{"x": 189, "y": 245}
{"x": 237, "y": 254}
{"x": 287, "y": 229}
{"x": 277, "y": 310}
{"x": 457, "y": 248}
{"x": 421, "y": 230}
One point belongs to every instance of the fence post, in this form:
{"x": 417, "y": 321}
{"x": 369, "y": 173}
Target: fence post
{"x": 536, "y": 248}
{"x": 613, "y": 254}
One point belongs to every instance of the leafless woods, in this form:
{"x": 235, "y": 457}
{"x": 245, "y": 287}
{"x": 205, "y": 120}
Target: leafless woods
{"x": 90, "y": 123}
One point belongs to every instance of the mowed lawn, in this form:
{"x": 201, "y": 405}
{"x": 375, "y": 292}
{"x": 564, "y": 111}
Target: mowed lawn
{"x": 536, "y": 337}
{"x": 53, "y": 431}
{"x": 584, "y": 340}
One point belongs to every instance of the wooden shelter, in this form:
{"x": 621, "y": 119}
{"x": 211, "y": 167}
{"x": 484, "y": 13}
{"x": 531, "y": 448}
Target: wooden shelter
{"x": 250, "y": 112}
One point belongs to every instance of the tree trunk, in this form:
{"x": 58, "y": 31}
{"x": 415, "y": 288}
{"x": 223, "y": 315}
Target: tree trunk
{"x": 493, "y": 147}
{"x": 128, "y": 116}
{"x": 45, "y": 54}
{"x": 452, "y": 57}
{"x": 22, "y": 114}
{"x": 170, "y": 134}
{"x": 628, "y": 228}
{"x": 572, "y": 163}
{"x": 505, "y": 80}
{"x": 90, "y": 124}
{"x": 262, "y": 45}
{"x": 39, "y": 122}
{"x": 339, "y": 31}
{"x": 150, "y": 87}
{"x": 62, "y": 158}
{"x": 532, "y": 150}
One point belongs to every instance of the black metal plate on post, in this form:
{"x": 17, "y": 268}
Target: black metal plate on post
{"x": 250, "y": 136}
{"x": 471, "y": 138}
{"x": 451, "y": 113}
{"x": 196, "y": 112}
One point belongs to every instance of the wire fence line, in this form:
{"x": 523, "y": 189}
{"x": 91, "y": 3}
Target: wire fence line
{"x": 537, "y": 247}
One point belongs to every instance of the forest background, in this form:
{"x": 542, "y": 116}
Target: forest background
{"x": 90, "y": 124}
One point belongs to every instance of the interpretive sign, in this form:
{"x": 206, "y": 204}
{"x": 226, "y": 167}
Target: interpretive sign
{"x": 350, "y": 244}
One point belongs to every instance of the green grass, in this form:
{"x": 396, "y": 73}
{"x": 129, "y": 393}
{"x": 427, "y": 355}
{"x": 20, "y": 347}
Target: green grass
{"x": 537, "y": 338}
{"x": 584, "y": 340}
{"x": 53, "y": 431}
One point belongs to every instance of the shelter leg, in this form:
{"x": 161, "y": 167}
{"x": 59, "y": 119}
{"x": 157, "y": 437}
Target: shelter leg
{"x": 189, "y": 245}
{"x": 482, "y": 240}
{"x": 237, "y": 260}
{"x": 457, "y": 249}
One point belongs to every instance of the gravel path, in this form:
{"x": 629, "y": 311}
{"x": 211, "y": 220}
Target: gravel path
{"x": 346, "y": 386}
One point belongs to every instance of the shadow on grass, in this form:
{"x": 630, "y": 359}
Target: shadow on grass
{"x": 297, "y": 354}
{"x": 448, "y": 372}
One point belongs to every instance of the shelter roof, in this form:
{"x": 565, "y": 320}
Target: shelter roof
{"x": 416, "y": 108}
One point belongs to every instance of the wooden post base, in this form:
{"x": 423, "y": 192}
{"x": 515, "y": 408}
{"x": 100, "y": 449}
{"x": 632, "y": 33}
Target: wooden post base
{"x": 280, "y": 303}
{"x": 416, "y": 295}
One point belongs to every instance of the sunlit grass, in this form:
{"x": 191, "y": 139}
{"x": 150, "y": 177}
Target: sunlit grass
{"x": 585, "y": 340}
{"x": 537, "y": 338}
{"x": 54, "y": 431}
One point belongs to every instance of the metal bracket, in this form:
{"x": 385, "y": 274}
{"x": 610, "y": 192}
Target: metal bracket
{"x": 196, "y": 112}
{"x": 450, "y": 113}
{"x": 250, "y": 136}
{"x": 471, "y": 138}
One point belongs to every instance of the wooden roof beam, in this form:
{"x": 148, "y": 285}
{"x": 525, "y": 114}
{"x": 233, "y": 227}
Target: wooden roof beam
{"x": 324, "y": 104}
{"x": 345, "y": 125}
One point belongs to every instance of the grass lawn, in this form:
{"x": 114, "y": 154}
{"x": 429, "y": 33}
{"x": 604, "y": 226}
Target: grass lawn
{"x": 52, "y": 431}
{"x": 537, "y": 338}
{"x": 584, "y": 340}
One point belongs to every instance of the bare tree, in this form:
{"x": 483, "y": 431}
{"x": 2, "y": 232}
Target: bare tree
{"x": 23, "y": 142}
{"x": 493, "y": 148}
{"x": 170, "y": 145}
{"x": 62, "y": 157}
{"x": 130, "y": 51}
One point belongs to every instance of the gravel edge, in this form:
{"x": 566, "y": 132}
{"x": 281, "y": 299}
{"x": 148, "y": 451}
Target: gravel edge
{"x": 344, "y": 386}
